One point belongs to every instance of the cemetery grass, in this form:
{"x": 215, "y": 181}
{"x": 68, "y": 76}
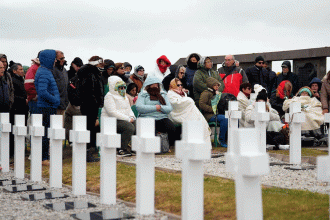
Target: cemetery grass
{"x": 219, "y": 193}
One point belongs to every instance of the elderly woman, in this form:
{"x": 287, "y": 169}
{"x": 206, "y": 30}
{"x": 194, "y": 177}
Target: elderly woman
{"x": 152, "y": 102}
{"x": 180, "y": 74}
{"x": 184, "y": 108}
{"x": 138, "y": 77}
{"x": 116, "y": 104}
{"x": 310, "y": 105}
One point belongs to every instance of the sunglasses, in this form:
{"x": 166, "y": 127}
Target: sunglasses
{"x": 122, "y": 87}
{"x": 179, "y": 85}
{"x": 122, "y": 68}
{"x": 260, "y": 62}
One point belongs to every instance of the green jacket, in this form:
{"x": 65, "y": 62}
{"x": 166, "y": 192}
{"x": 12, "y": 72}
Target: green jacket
{"x": 200, "y": 81}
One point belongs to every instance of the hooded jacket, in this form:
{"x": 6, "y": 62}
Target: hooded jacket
{"x": 172, "y": 75}
{"x": 19, "y": 105}
{"x": 277, "y": 98}
{"x": 312, "y": 109}
{"x": 232, "y": 77}
{"x": 116, "y": 105}
{"x": 200, "y": 79}
{"x": 138, "y": 81}
{"x": 6, "y": 78}
{"x": 156, "y": 72}
{"x": 292, "y": 77}
{"x": 147, "y": 107}
{"x": 48, "y": 95}
{"x": 191, "y": 68}
{"x": 206, "y": 97}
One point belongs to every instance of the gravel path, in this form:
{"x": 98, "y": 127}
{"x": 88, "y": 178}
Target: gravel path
{"x": 278, "y": 176}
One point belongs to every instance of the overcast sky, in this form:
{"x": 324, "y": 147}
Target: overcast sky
{"x": 141, "y": 31}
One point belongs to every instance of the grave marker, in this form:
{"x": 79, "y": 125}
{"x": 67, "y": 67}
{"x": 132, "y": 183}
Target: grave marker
{"x": 261, "y": 117}
{"x": 146, "y": 144}
{"x": 108, "y": 140}
{"x": 56, "y": 135}
{"x": 36, "y": 131}
{"x": 79, "y": 136}
{"x": 252, "y": 162}
{"x": 192, "y": 150}
{"x": 5, "y": 128}
{"x": 295, "y": 117}
{"x": 19, "y": 131}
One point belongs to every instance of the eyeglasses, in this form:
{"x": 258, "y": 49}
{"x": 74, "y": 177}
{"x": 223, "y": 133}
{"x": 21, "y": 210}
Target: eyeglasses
{"x": 260, "y": 62}
{"x": 181, "y": 72}
{"x": 62, "y": 58}
{"x": 179, "y": 85}
{"x": 122, "y": 68}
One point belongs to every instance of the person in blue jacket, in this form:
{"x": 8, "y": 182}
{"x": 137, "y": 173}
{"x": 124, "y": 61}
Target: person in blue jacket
{"x": 48, "y": 95}
{"x": 152, "y": 102}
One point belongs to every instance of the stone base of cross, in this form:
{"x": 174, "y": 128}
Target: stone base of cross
{"x": 56, "y": 134}
{"x": 146, "y": 144}
{"x": 108, "y": 140}
{"x": 250, "y": 164}
{"x": 295, "y": 117}
{"x": 19, "y": 131}
{"x": 79, "y": 136}
{"x": 192, "y": 150}
{"x": 36, "y": 131}
{"x": 5, "y": 129}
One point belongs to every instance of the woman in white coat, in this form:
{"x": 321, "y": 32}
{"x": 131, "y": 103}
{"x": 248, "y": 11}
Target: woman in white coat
{"x": 184, "y": 108}
{"x": 162, "y": 68}
{"x": 116, "y": 104}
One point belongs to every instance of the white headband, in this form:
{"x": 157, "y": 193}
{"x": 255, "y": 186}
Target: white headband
{"x": 94, "y": 63}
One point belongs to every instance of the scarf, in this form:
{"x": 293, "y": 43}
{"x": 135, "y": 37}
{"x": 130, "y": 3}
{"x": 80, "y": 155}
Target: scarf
{"x": 155, "y": 95}
{"x": 162, "y": 68}
{"x": 139, "y": 77}
{"x": 174, "y": 87}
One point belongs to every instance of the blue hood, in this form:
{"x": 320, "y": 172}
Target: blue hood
{"x": 316, "y": 80}
{"x": 151, "y": 80}
{"x": 47, "y": 58}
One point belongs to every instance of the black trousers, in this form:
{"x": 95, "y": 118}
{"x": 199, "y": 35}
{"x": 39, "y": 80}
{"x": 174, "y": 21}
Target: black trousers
{"x": 166, "y": 126}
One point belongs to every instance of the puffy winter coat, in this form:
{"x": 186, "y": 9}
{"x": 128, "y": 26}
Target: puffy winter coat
{"x": 48, "y": 95}
{"x": 116, "y": 105}
{"x": 232, "y": 79}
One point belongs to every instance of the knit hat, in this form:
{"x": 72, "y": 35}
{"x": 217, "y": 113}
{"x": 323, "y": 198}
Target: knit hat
{"x": 259, "y": 58}
{"x": 78, "y": 62}
{"x": 126, "y": 64}
{"x": 305, "y": 89}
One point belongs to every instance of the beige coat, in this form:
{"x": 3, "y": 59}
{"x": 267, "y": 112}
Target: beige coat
{"x": 312, "y": 109}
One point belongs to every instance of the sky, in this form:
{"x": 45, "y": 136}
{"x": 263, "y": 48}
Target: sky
{"x": 141, "y": 31}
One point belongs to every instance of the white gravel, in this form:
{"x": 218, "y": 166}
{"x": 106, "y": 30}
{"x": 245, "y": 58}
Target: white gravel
{"x": 278, "y": 176}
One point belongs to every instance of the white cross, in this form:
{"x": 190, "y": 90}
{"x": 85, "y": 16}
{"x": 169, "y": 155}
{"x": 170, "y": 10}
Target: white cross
{"x": 5, "y": 129}
{"x": 108, "y": 140}
{"x": 146, "y": 144}
{"x": 261, "y": 117}
{"x": 36, "y": 131}
{"x": 233, "y": 116}
{"x": 295, "y": 117}
{"x": 19, "y": 131}
{"x": 251, "y": 164}
{"x": 192, "y": 149}
{"x": 56, "y": 135}
{"x": 79, "y": 136}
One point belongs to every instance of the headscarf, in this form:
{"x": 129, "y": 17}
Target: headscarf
{"x": 174, "y": 87}
{"x": 136, "y": 70}
{"x": 282, "y": 87}
{"x": 305, "y": 89}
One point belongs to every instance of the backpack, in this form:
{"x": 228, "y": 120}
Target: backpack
{"x": 73, "y": 91}
{"x": 224, "y": 102}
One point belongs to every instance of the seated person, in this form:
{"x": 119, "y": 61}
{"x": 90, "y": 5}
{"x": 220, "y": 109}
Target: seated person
{"x": 184, "y": 108}
{"x": 208, "y": 103}
{"x": 116, "y": 104}
{"x": 315, "y": 86}
{"x": 180, "y": 74}
{"x": 131, "y": 93}
{"x": 152, "y": 102}
{"x": 274, "y": 123}
{"x": 243, "y": 99}
{"x": 283, "y": 92}
{"x": 310, "y": 106}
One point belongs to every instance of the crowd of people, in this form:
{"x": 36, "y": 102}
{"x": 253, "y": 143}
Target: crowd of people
{"x": 169, "y": 93}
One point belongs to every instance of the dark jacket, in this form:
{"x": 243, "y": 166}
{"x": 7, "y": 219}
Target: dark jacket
{"x": 61, "y": 78}
{"x": 190, "y": 72}
{"x": 292, "y": 77}
{"x": 91, "y": 87}
{"x": 48, "y": 95}
{"x": 6, "y": 93}
{"x": 206, "y": 97}
{"x": 319, "y": 83}
{"x": 167, "y": 80}
{"x": 20, "y": 106}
